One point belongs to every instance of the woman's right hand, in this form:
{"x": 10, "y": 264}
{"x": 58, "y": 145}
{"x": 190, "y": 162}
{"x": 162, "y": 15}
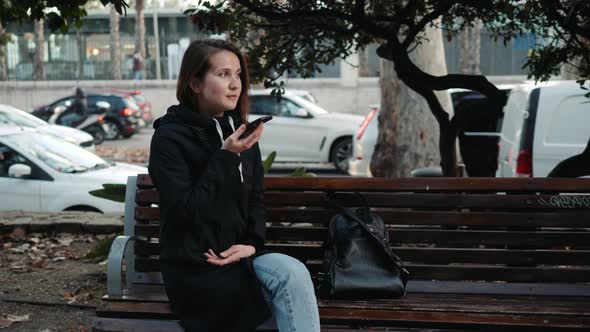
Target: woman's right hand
{"x": 236, "y": 145}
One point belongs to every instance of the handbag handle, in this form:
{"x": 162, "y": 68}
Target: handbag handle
{"x": 385, "y": 246}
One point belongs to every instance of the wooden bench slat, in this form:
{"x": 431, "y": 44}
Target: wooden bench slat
{"x": 143, "y": 213}
{"x": 152, "y": 325}
{"x": 488, "y": 273}
{"x": 521, "y": 239}
{"x": 464, "y": 218}
{"x": 522, "y": 311}
{"x": 416, "y": 184}
{"x": 442, "y": 318}
{"x": 431, "y": 201}
{"x": 458, "y": 302}
{"x": 459, "y": 218}
{"x": 147, "y": 196}
{"x": 135, "y": 325}
{"x": 441, "y": 238}
{"x": 452, "y": 272}
{"x": 305, "y": 252}
{"x": 558, "y": 291}
{"x": 428, "y": 184}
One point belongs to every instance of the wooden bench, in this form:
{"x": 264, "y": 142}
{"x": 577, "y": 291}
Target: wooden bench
{"x": 503, "y": 254}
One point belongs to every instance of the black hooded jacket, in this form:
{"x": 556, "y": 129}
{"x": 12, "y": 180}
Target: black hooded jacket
{"x": 207, "y": 201}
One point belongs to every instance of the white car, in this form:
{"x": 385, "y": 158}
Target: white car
{"x": 363, "y": 144}
{"x": 366, "y": 138}
{"x": 40, "y": 172}
{"x": 543, "y": 125}
{"x": 302, "y": 131}
{"x": 13, "y": 116}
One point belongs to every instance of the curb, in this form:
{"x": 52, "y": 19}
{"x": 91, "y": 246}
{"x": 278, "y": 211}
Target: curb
{"x": 61, "y": 222}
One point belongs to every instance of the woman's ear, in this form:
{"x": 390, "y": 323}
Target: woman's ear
{"x": 194, "y": 85}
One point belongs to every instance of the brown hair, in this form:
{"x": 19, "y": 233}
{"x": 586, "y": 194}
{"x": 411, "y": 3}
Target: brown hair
{"x": 195, "y": 64}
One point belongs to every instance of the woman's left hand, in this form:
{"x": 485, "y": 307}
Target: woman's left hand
{"x": 231, "y": 255}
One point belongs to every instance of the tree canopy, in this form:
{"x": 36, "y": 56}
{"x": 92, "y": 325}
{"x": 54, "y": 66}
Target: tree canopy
{"x": 298, "y": 36}
{"x": 285, "y": 37}
{"x": 58, "y": 14}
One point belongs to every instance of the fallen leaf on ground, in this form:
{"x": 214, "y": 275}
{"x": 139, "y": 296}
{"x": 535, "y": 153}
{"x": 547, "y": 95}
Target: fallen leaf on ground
{"x": 68, "y": 296}
{"x": 65, "y": 241}
{"x": 6, "y": 320}
{"x": 18, "y": 233}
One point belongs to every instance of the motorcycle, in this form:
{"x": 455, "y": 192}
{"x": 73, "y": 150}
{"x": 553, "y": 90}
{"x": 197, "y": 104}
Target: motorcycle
{"x": 92, "y": 123}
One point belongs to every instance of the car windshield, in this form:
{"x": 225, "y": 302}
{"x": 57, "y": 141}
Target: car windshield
{"x": 57, "y": 153}
{"x": 308, "y": 105}
{"x": 20, "y": 118}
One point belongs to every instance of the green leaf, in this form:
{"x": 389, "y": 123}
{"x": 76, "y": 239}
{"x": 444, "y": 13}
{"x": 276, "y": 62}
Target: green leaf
{"x": 302, "y": 172}
{"x": 111, "y": 191}
{"x": 267, "y": 163}
{"x": 299, "y": 172}
{"x": 101, "y": 249}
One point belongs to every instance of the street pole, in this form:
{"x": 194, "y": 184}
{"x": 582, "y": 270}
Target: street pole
{"x": 157, "y": 41}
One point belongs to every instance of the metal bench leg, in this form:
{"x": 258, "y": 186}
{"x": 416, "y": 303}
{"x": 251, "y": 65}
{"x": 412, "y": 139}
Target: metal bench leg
{"x": 115, "y": 265}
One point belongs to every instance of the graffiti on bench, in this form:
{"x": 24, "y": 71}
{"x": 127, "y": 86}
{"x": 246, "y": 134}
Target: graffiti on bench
{"x": 568, "y": 202}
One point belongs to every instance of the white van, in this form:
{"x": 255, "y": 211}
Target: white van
{"x": 543, "y": 124}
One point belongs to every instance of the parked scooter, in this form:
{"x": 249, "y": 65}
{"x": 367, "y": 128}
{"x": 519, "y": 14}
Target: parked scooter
{"x": 92, "y": 123}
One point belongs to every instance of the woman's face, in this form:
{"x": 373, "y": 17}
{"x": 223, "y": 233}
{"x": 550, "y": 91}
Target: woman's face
{"x": 220, "y": 89}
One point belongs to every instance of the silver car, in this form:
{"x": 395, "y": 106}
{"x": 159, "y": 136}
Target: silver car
{"x": 13, "y": 116}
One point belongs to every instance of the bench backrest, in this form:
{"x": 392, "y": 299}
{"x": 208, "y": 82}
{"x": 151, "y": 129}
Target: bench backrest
{"x": 473, "y": 235}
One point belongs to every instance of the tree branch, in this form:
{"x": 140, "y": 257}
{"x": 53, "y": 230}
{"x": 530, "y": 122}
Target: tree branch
{"x": 567, "y": 22}
{"x": 415, "y": 30}
{"x": 367, "y": 23}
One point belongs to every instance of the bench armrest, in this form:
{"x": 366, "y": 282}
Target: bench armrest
{"x": 115, "y": 264}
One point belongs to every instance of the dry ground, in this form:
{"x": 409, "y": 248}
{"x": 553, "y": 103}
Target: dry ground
{"x": 47, "y": 284}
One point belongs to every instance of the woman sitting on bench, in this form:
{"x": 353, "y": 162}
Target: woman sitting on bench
{"x": 217, "y": 273}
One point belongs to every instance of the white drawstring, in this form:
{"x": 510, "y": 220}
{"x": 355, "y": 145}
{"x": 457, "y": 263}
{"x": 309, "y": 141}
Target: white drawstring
{"x": 220, "y": 132}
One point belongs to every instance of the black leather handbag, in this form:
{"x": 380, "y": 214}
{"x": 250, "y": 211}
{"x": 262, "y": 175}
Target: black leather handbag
{"x": 358, "y": 261}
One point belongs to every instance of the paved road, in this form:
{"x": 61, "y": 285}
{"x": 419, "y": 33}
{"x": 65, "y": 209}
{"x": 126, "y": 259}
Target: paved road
{"x": 142, "y": 139}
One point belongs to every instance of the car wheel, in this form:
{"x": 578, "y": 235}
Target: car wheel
{"x": 112, "y": 130}
{"x": 341, "y": 153}
{"x": 97, "y": 134}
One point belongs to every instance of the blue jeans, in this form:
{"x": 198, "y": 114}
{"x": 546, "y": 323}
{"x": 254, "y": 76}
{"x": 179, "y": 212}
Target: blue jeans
{"x": 289, "y": 292}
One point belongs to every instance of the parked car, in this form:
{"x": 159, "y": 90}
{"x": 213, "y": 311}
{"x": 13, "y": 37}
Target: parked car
{"x": 144, "y": 116}
{"x": 40, "y": 172}
{"x": 480, "y": 123}
{"x": 363, "y": 144}
{"x": 478, "y": 141}
{"x": 145, "y": 106}
{"x": 302, "y": 131}
{"x": 305, "y": 95}
{"x": 543, "y": 125}
{"x": 13, "y": 116}
{"x": 121, "y": 118}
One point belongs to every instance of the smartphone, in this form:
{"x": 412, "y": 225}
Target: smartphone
{"x": 254, "y": 124}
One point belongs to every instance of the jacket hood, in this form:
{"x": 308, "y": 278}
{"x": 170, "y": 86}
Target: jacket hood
{"x": 184, "y": 114}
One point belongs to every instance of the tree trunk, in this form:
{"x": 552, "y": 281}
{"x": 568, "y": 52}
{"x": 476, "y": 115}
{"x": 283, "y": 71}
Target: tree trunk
{"x": 115, "y": 45}
{"x": 140, "y": 31}
{"x": 475, "y": 41}
{"x": 363, "y": 62}
{"x": 3, "y": 69}
{"x": 464, "y": 51}
{"x": 407, "y": 130}
{"x": 39, "y": 51}
{"x": 469, "y": 57}
{"x": 570, "y": 71}
{"x": 81, "y": 55}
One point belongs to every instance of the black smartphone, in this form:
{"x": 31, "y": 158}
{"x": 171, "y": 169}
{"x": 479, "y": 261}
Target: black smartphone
{"x": 254, "y": 124}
